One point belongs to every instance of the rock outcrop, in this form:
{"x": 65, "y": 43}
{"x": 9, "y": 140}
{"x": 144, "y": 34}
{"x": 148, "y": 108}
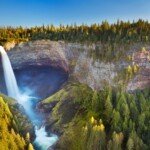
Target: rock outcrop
{"x": 62, "y": 107}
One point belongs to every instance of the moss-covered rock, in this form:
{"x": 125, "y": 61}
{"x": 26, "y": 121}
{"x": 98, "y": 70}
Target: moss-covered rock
{"x": 63, "y": 107}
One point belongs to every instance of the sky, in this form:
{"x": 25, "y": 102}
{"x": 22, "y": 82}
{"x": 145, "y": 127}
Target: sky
{"x": 29, "y": 13}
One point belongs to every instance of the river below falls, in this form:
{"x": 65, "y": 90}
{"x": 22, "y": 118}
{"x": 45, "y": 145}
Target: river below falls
{"x": 35, "y": 84}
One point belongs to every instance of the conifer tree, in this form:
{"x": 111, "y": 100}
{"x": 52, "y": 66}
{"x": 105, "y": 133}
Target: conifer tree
{"x": 30, "y": 147}
{"x": 108, "y": 109}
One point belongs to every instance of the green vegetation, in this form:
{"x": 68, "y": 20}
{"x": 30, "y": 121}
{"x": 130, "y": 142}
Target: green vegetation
{"x": 66, "y": 102}
{"x": 121, "y": 32}
{"x": 9, "y": 136}
{"x": 23, "y": 125}
{"x": 109, "y": 119}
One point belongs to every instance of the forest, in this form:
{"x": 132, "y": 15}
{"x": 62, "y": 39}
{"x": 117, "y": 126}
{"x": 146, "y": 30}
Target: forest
{"x": 10, "y": 136}
{"x": 109, "y": 119}
{"x": 120, "y": 32}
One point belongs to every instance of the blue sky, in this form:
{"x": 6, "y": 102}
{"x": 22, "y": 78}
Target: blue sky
{"x": 38, "y": 12}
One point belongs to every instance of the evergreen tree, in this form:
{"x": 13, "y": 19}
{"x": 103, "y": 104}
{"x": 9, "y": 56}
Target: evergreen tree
{"x": 108, "y": 109}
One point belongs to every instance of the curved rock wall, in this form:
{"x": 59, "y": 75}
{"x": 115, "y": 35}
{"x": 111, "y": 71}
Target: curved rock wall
{"x": 39, "y": 53}
{"x": 74, "y": 59}
{"x": 70, "y": 57}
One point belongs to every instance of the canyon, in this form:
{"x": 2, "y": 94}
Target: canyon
{"x": 84, "y": 72}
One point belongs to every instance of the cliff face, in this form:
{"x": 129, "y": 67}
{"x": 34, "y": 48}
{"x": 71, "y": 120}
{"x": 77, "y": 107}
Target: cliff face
{"x": 94, "y": 73}
{"x": 72, "y": 58}
{"x": 142, "y": 78}
{"x": 38, "y": 53}
{"x": 75, "y": 59}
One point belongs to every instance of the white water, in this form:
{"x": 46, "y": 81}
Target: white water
{"x": 10, "y": 80}
{"x": 42, "y": 140}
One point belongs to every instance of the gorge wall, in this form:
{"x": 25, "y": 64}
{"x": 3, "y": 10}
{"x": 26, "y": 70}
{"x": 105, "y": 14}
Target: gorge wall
{"x": 74, "y": 59}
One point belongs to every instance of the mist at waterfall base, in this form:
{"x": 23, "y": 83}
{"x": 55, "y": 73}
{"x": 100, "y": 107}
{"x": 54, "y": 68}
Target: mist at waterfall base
{"x": 34, "y": 83}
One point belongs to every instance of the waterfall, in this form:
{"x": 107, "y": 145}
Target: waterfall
{"x": 42, "y": 140}
{"x": 10, "y": 80}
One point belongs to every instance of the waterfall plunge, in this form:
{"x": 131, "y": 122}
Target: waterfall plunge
{"x": 10, "y": 80}
{"x": 42, "y": 140}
